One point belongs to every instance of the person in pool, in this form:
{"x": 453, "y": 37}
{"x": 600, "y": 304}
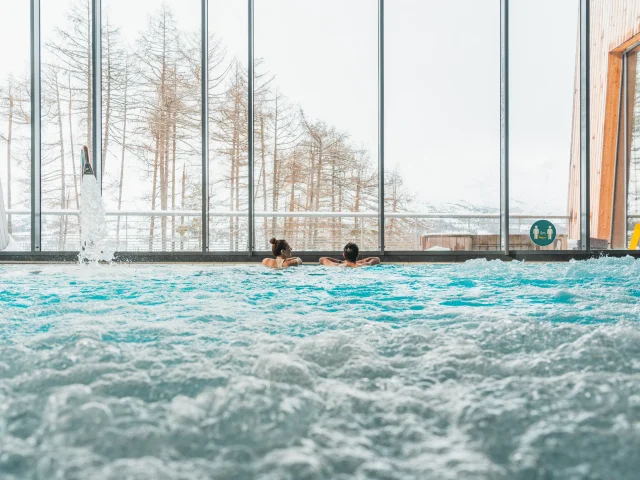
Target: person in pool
{"x": 350, "y": 254}
{"x": 282, "y": 251}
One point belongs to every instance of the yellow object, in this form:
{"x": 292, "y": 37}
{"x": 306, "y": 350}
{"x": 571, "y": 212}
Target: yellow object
{"x": 635, "y": 238}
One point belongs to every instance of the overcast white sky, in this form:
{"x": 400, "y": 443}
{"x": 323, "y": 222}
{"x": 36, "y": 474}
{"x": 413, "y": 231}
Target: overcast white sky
{"x": 442, "y": 81}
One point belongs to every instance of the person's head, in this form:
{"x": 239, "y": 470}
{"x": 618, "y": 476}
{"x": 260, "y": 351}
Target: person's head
{"x": 280, "y": 248}
{"x": 351, "y": 252}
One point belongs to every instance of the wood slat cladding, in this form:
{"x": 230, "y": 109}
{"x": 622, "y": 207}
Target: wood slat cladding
{"x": 614, "y": 24}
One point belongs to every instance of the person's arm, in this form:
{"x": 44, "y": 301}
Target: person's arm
{"x": 266, "y": 262}
{"x": 293, "y": 262}
{"x": 369, "y": 261}
{"x": 329, "y": 262}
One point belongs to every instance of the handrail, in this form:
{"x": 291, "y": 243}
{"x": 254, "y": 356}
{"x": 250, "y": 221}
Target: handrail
{"x": 297, "y": 214}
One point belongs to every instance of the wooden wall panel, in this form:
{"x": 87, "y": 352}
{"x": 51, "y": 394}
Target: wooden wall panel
{"x": 610, "y": 141}
{"x": 613, "y": 24}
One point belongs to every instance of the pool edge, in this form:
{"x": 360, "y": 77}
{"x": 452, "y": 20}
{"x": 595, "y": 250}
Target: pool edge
{"x": 312, "y": 257}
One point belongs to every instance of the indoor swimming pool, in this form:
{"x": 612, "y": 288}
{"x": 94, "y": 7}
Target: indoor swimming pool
{"x": 481, "y": 370}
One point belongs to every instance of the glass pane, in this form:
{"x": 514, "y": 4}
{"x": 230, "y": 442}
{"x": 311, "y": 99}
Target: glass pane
{"x": 15, "y": 123}
{"x": 66, "y": 116}
{"x": 228, "y": 125}
{"x": 542, "y": 79}
{"x": 316, "y": 120}
{"x": 151, "y": 134}
{"x": 633, "y": 137}
{"x": 442, "y": 114}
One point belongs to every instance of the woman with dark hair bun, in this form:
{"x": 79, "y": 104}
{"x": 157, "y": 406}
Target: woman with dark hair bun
{"x": 282, "y": 251}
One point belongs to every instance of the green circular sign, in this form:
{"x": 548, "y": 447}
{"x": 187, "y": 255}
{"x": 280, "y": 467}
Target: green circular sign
{"x": 542, "y": 233}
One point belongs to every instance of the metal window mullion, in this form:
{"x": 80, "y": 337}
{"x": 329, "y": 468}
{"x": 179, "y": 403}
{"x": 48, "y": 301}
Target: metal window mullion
{"x": 251, "y": 127}
{"x": 36, "y": 130}
{"x": 504, "y": 126}
{"x": 205, "y": 123}
{"x": 616, "y": 165}
{"x": 381, "y": 219}
{"x": 625, "y": 139}
{"x": 96, "y": 84}
{"x": 585, "y": 120}
{"x": 632, "y": 47}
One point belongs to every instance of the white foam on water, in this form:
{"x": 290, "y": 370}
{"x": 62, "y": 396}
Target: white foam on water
{"x": 94, "y": 245}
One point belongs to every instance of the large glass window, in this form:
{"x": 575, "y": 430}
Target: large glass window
{"x": 442, "y": 112}
{"x": 316, "y": 117}
{"x": 541, "y": 87}
{"x": 632, "y": 114}
{"x": 15, "y": 122}
{"x": 315, "y": 170}
{"x": 228, "y": 125}
{"x": 66, "y": 116}
{"x": 151, "y": 124}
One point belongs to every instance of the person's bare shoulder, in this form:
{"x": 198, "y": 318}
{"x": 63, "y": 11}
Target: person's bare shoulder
{"x": 267, "y": 262}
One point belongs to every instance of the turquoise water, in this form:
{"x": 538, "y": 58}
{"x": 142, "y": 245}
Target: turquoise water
{"x": 482, "y": 370}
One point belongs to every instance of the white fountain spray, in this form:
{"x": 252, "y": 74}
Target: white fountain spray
{"x": 93, "y": 226}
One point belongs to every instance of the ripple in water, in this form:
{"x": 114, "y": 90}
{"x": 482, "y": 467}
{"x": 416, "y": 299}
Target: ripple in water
{"x": 484, "y": 370}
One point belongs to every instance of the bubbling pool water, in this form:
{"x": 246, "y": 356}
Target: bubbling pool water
{"x": 484, "y": 370}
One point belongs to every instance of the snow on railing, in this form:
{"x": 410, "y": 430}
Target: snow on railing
{"x": 296, "y": 214}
